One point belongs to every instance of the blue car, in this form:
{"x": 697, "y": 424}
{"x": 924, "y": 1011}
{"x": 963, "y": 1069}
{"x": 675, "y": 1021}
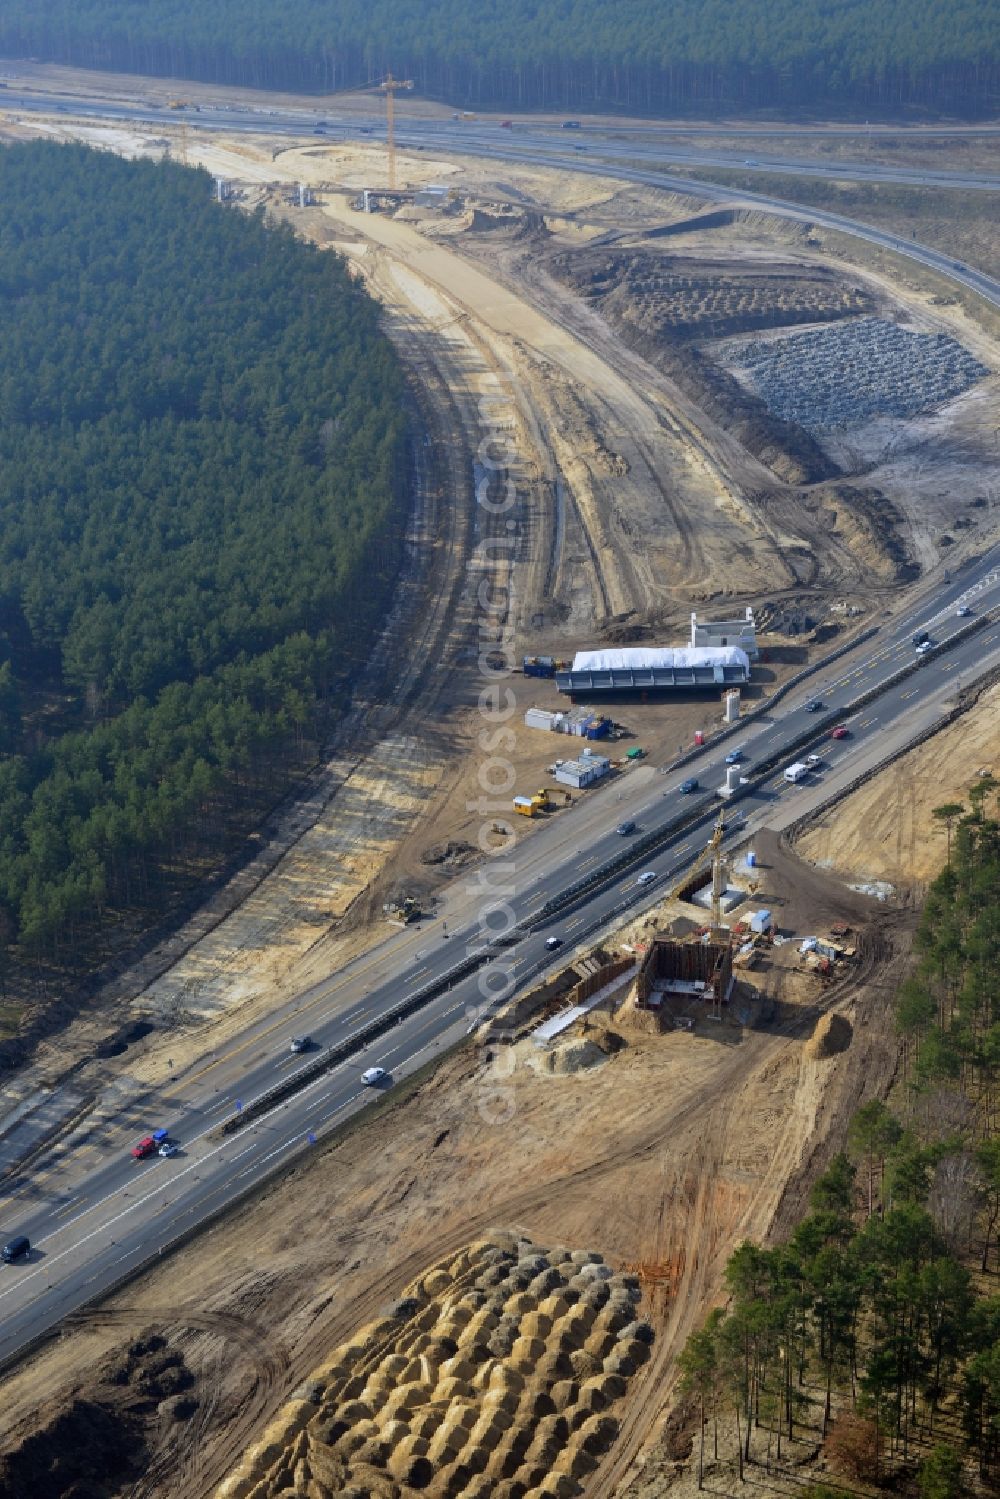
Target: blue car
{"x": 734, "y": 757}
{"x": 691, "y": 784}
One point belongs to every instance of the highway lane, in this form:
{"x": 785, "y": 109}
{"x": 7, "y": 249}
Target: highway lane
{"x": 483, "y": 138}
{"x": 93, "y": 1213}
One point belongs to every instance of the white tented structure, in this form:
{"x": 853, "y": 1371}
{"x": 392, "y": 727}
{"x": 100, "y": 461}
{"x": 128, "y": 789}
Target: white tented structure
{"x": 654, "y": 669}
{"x": 661, "y": 658}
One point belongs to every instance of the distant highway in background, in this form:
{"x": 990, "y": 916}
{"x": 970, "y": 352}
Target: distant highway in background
{"x": 588, "y": 153}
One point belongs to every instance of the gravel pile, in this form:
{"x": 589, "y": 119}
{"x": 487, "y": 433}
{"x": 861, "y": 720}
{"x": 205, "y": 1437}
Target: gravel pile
{"x": 832, "y": 378}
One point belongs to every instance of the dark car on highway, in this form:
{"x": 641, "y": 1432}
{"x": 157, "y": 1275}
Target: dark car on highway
{"x": 15, "y": 1249}
{"x": 813, "y": 705}
{"x": 691, "y": 784}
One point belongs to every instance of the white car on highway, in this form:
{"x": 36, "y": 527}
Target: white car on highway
{"x": 372, "y": 1075}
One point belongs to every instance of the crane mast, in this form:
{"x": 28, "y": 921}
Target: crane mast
{"x": 390, "y": 85}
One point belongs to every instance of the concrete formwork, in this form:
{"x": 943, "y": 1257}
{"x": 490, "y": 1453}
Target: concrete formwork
{"x": 694, "y": 969}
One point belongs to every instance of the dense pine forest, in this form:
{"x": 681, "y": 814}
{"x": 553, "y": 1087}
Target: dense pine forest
{"x": 202, "y": 470}
{"x": 652, "y": 56}
{"x": 877, "y": 1326}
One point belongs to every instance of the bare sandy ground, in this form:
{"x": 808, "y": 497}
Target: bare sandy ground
{"x": 886, "y": 830}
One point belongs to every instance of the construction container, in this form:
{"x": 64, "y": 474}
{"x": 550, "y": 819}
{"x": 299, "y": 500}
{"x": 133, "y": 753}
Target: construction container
{"x": 585, "y": 771}
{"x": 541, "y": 718}
{"x": 525, "y": 805}
{"x": 761, "y": 921}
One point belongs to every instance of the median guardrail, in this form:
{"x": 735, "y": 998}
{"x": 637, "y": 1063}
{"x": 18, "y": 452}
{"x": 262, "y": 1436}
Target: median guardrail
{"x": 342, "y": 1051}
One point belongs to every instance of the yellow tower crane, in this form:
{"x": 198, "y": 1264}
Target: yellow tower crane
{"x": 390, "y": 87}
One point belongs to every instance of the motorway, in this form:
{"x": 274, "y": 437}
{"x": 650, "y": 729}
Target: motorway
{"x": 93, "y": 1214}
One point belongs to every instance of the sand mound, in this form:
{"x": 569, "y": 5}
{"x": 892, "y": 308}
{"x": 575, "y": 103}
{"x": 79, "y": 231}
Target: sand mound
{"x": 832, "y": 1034}
{"x": 526, "y": 1399}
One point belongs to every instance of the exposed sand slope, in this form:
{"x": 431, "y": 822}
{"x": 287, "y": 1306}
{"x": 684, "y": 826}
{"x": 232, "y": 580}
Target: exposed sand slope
{"x": 885, "y": 830}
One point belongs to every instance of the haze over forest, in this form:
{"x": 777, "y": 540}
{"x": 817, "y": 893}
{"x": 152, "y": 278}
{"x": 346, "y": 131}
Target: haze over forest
{"x": 654, "y": 56}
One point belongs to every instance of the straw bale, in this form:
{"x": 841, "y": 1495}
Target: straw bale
{"x": 575, "y": 1462}
{"x": 405, "y": 1398}
{"x": 565, "y": 1394}
{"x": 535, "y": 1325}
{"x": 555, "y": 1486}
{"x": 502, "y": 1340}
{"x": 377, "y": 1390}
{"x": 458, "y": 1367}
{"x": 503, "y": 1377}
{"x": 482, "y": 1324}
{"x": 521, "y": 1303}
{"x": 500, "y": 1400}
{"x": 553, "y": 1366}
{"x": 592, "y": 1399}
{"x": 425, "y": 1422}
{"x": 593, "y": 1293}
{"x": 439, "y": 1348}
{"x": 351, "y": 1388}
{"x": 483, "y": 1375}
{"x": 507, "y": 1239}
{"x": 600, "y": 1342}
{"x": 554, "y": 1306}
{"x": 446, "y": 1443}
{"x": 354, "y": 1438}
{"x": 585, "y": 1365}
{"x": 375, "y": 1453}
{"x": 526, "y": 1352}
{"x": 454, "y": 1309}
{"x": 487, "y": 1434}
{"x": 613, "y": 1318}
{"x": 355, "y": 1410}
{"x": 483, "y": 1487}
{"x": 619, "y": 1363}
{"x": 394, "y": 1432}
{"x": 436, "y": 1282}
{"x": 534, "y": 1404}
{"x": 634, "y": 1350}
{"x": 453, "y": 1388}
{"x": 366, "y": 1482}
{"x": 327, "y": 1466}
{"x": 520, "y": 1278}
{"x": 458, "y": 1480}
{"x": 548, "y": 1281}
{"x": 495, "y": 1275}
{"x": 411, "y": 1467}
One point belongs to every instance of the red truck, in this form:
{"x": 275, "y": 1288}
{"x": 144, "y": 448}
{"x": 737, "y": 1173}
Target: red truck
{"x": 145, "y": 1147}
